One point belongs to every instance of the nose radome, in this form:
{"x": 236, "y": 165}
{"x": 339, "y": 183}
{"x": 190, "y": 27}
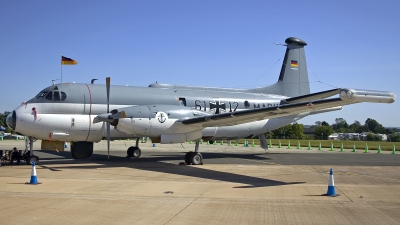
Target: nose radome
{"x": 11, "y": 120}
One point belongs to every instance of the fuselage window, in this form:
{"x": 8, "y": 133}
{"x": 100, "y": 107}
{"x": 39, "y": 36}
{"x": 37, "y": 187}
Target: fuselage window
{"x": 56, "y": 96}
{"x": 63, "y": 96}
{"x": 49, "y": 95}
{"x": 246, "y": 104}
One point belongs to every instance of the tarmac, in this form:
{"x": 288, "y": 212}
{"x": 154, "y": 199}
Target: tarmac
{"x": 236, "y": 185}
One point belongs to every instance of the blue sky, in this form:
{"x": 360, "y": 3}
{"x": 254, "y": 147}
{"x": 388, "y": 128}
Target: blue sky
{"x": 207, "y": 43}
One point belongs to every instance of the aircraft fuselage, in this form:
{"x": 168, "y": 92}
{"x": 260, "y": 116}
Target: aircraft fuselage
{"x": 64, "y": 112}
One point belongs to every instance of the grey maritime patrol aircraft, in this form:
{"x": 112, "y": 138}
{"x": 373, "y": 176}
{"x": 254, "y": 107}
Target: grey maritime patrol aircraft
{"x": 79, "y": 113}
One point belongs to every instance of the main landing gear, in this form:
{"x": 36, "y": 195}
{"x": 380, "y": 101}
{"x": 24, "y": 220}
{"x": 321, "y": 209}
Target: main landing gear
{"x": 194, "y": 158}
{"x": 134, "y": 151}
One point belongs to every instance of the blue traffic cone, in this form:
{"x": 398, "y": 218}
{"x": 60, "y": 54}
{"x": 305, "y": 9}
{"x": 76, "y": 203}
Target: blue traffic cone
{"x": 331, "y": 185}
{"x": 34, "y": 179}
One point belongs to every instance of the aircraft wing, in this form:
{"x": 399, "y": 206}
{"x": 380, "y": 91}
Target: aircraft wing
{"x": 346, "y": 97}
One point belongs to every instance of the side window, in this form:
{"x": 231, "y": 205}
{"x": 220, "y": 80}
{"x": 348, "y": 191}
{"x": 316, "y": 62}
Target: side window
{"x": 182, "y": 101}
{"x": 56, "y": 96}
{"x": 246, "y": 104}
{"x": 63, "y": 96}
{"x": 49, "y": 95}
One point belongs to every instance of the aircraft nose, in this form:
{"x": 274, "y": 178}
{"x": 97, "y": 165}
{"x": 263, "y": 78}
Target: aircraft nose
{"x": 11, "y": 120}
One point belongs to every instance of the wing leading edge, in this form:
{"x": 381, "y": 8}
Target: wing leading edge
{"x": 346, "y": 97}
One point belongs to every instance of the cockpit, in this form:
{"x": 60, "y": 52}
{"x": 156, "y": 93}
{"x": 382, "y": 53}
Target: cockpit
{"x": 54, "y": 95}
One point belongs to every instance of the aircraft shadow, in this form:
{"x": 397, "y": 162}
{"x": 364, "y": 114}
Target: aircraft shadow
{"x": 157, "y": 163}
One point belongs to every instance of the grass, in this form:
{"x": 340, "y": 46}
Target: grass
{"x": 360, "y": 145}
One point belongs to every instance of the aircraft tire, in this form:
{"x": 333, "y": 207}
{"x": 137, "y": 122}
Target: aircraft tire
{"x": 134, "y": 152}
{"x": 32, "y": 159}
{"x": 196, "y": 158}
{"x": 187, "y": 157}
{"x": 81, "y": 149}
{"x": 137, "y": 152}
{"x": 129, "y": 152}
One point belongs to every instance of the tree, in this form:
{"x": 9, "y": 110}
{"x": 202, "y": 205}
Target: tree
{"x": 293, "y": 131}
{"x": 297, "y": 131}
{"x": 374, "y": 126}
{"x": 3, "y": 117}
{"x": 341, "y": 126}
{"x": 356, "y": 127}
{"x": 323, "y": 132}
{"x": 394, "y": 138}
{"x": 324, "y": 123}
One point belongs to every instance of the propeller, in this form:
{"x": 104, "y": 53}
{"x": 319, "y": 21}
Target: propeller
{"x": 108, "y": 111}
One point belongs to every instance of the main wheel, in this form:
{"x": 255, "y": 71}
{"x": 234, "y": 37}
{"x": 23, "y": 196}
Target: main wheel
{"x": 196, "y": 158}
{"x": 134, "y": 152}
{"x": 137, "y": 152}
{"x": 187, "y": 157}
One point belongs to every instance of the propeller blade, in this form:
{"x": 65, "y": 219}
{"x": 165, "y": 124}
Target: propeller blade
{"x": 108, "y": 140}
{"x": 108, "y": 93}
{"x": 108, "y": 110}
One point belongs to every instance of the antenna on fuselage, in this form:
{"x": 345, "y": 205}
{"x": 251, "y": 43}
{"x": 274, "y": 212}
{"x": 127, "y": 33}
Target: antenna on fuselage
{"x": 92, "y": 82}
{"x": 53, "y": 81}
{"x": 280, "y": 44}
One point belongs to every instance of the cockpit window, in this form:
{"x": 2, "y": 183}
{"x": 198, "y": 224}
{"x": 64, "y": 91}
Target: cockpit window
{"x": 53, "y": 95}
{"x": 41, "y": 94}
{"x": 49, "y": 96}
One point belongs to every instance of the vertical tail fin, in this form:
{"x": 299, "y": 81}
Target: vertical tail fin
{"x": 293, "y": 79}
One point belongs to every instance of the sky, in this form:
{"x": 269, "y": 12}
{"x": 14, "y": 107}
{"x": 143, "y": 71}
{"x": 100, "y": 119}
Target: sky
{"x": 351, "y": 44}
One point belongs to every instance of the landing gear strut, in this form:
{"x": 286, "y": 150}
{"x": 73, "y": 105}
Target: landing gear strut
{"x": 194, "y": 158}
{"x": 134, "y": 151}
{"x": 28, "y": 155}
